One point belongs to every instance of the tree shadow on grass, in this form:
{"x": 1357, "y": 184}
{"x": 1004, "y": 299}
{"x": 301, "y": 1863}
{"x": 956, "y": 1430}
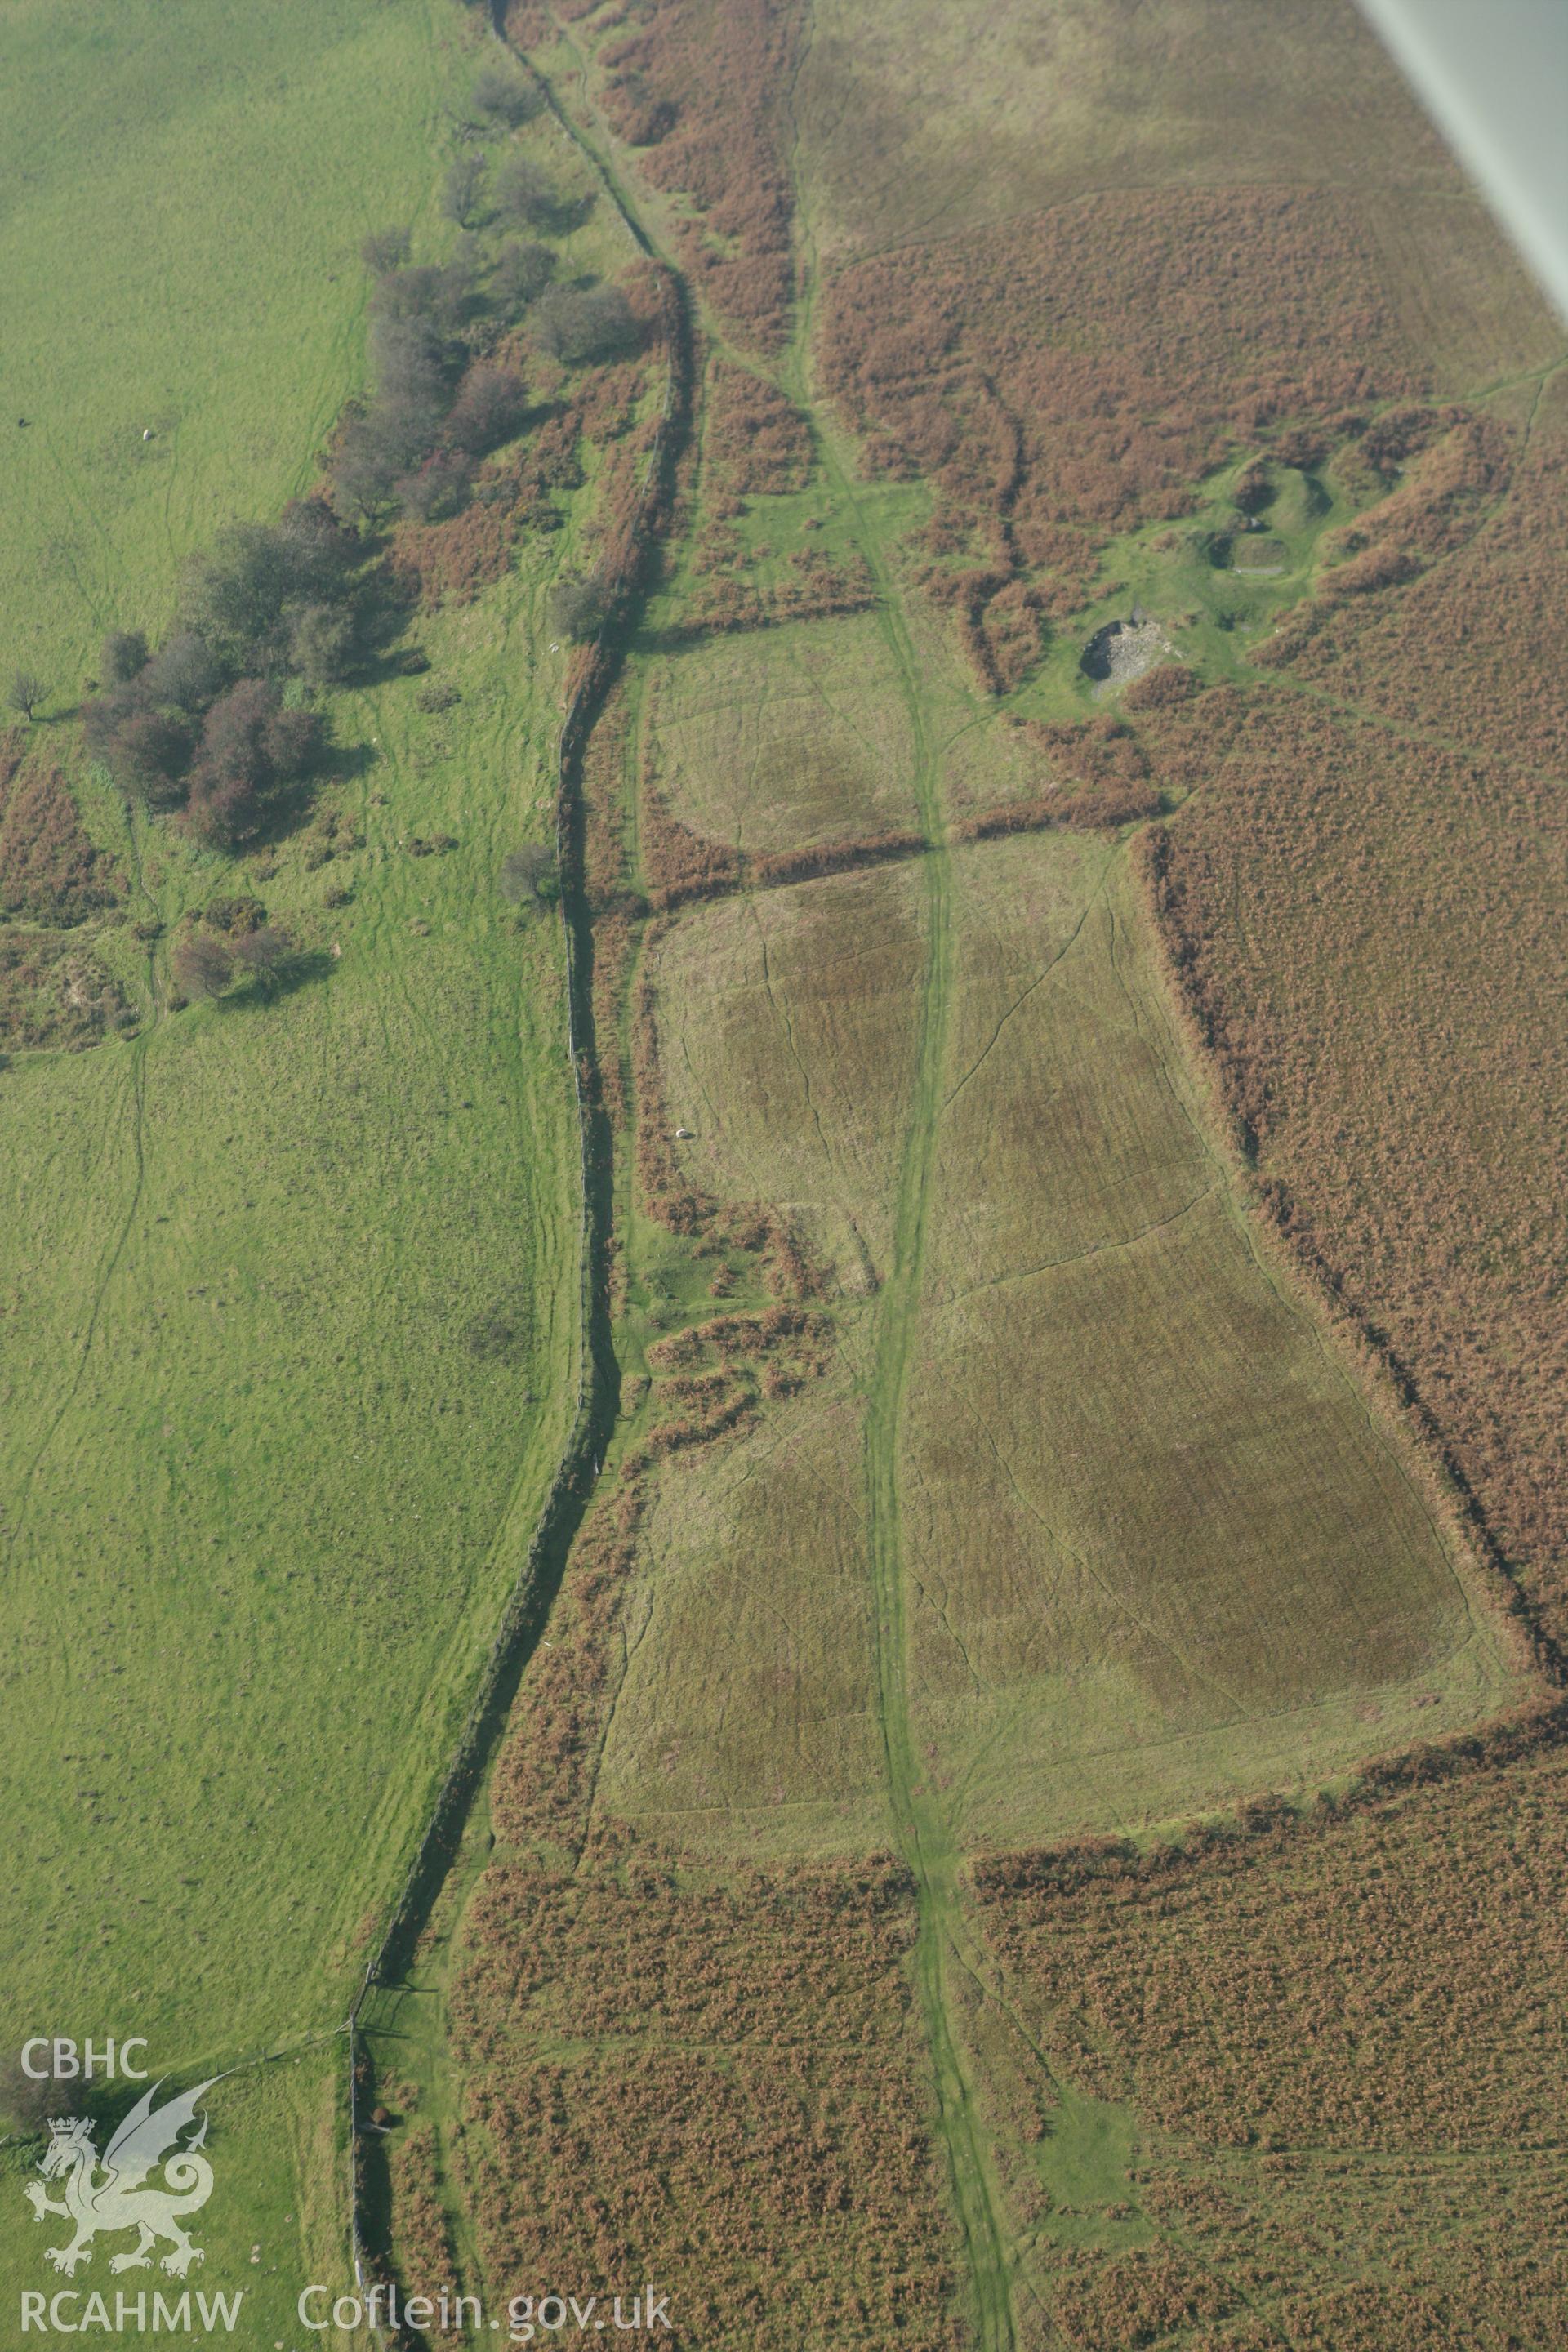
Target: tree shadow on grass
{"x": 258, "y": 990}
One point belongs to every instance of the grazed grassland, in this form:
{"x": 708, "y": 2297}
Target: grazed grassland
{"x": 1162, "y": 1552}
{"x": 775, "y": 738}
{"x": 187, "y": 193}
{"x": 253, "y": 1413}
{"x": 290, "y": 1280}
{"x": 786, "y": 1025}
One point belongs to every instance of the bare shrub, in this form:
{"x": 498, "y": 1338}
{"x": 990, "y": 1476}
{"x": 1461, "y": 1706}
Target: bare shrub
{"x": 579, "y": 606}
{"x": 202, "y": 965}
{"x": 505, "y": 96}
{"x": 524, "y": 193}
{"x": 124, "y": 655}
{"x": 384, "y": 250}
{"x": 528, "y": 873}
{"x": 523, "y": 270}
{"x": 490, "y": 407}
{"x": 463, "y": 187}
{"x": 597, "y": 323}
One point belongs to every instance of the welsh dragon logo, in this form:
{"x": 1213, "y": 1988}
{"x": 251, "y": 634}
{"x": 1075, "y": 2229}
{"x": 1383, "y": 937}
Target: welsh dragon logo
{"x": 148, "y": 2138}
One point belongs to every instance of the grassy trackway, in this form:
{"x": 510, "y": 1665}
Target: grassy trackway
{"x": 928, "y": 1845}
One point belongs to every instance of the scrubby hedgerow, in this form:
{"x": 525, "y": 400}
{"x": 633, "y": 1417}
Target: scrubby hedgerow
{"x": 441, "y": 398}
{"x": 1108, "y": 809}
{"x": 684, "y": 868}
{"x": 212, "y": 725}
{"x": 252, "y": 748}
{"x": 505, "y": 94}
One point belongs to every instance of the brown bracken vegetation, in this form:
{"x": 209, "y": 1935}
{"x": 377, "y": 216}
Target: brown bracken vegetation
{"x": 812, "y": 586}
{"x": 698, "y": 86}
{"x": 1464, "y": 641}
{"x": 1337, "y": 2034}
{"x": 54, "y": 992}
{"x": 1061, "y": 379}
{"x": 754, "y": 438}
{"x": 50, "y": 870}
{"x": 762, "y": 2158}
{"x": 1346, "y": 914}
{"x": 424, "y": 2262}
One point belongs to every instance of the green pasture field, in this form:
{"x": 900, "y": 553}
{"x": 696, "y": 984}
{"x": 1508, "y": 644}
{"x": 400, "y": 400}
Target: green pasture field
{"x": 267, "y": 1477}
{"x": 290, "y": 1281}
{"x": 187, "y": 188}
{"x": 291, "y": 1357}
{"x": 274, "y": 2222}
